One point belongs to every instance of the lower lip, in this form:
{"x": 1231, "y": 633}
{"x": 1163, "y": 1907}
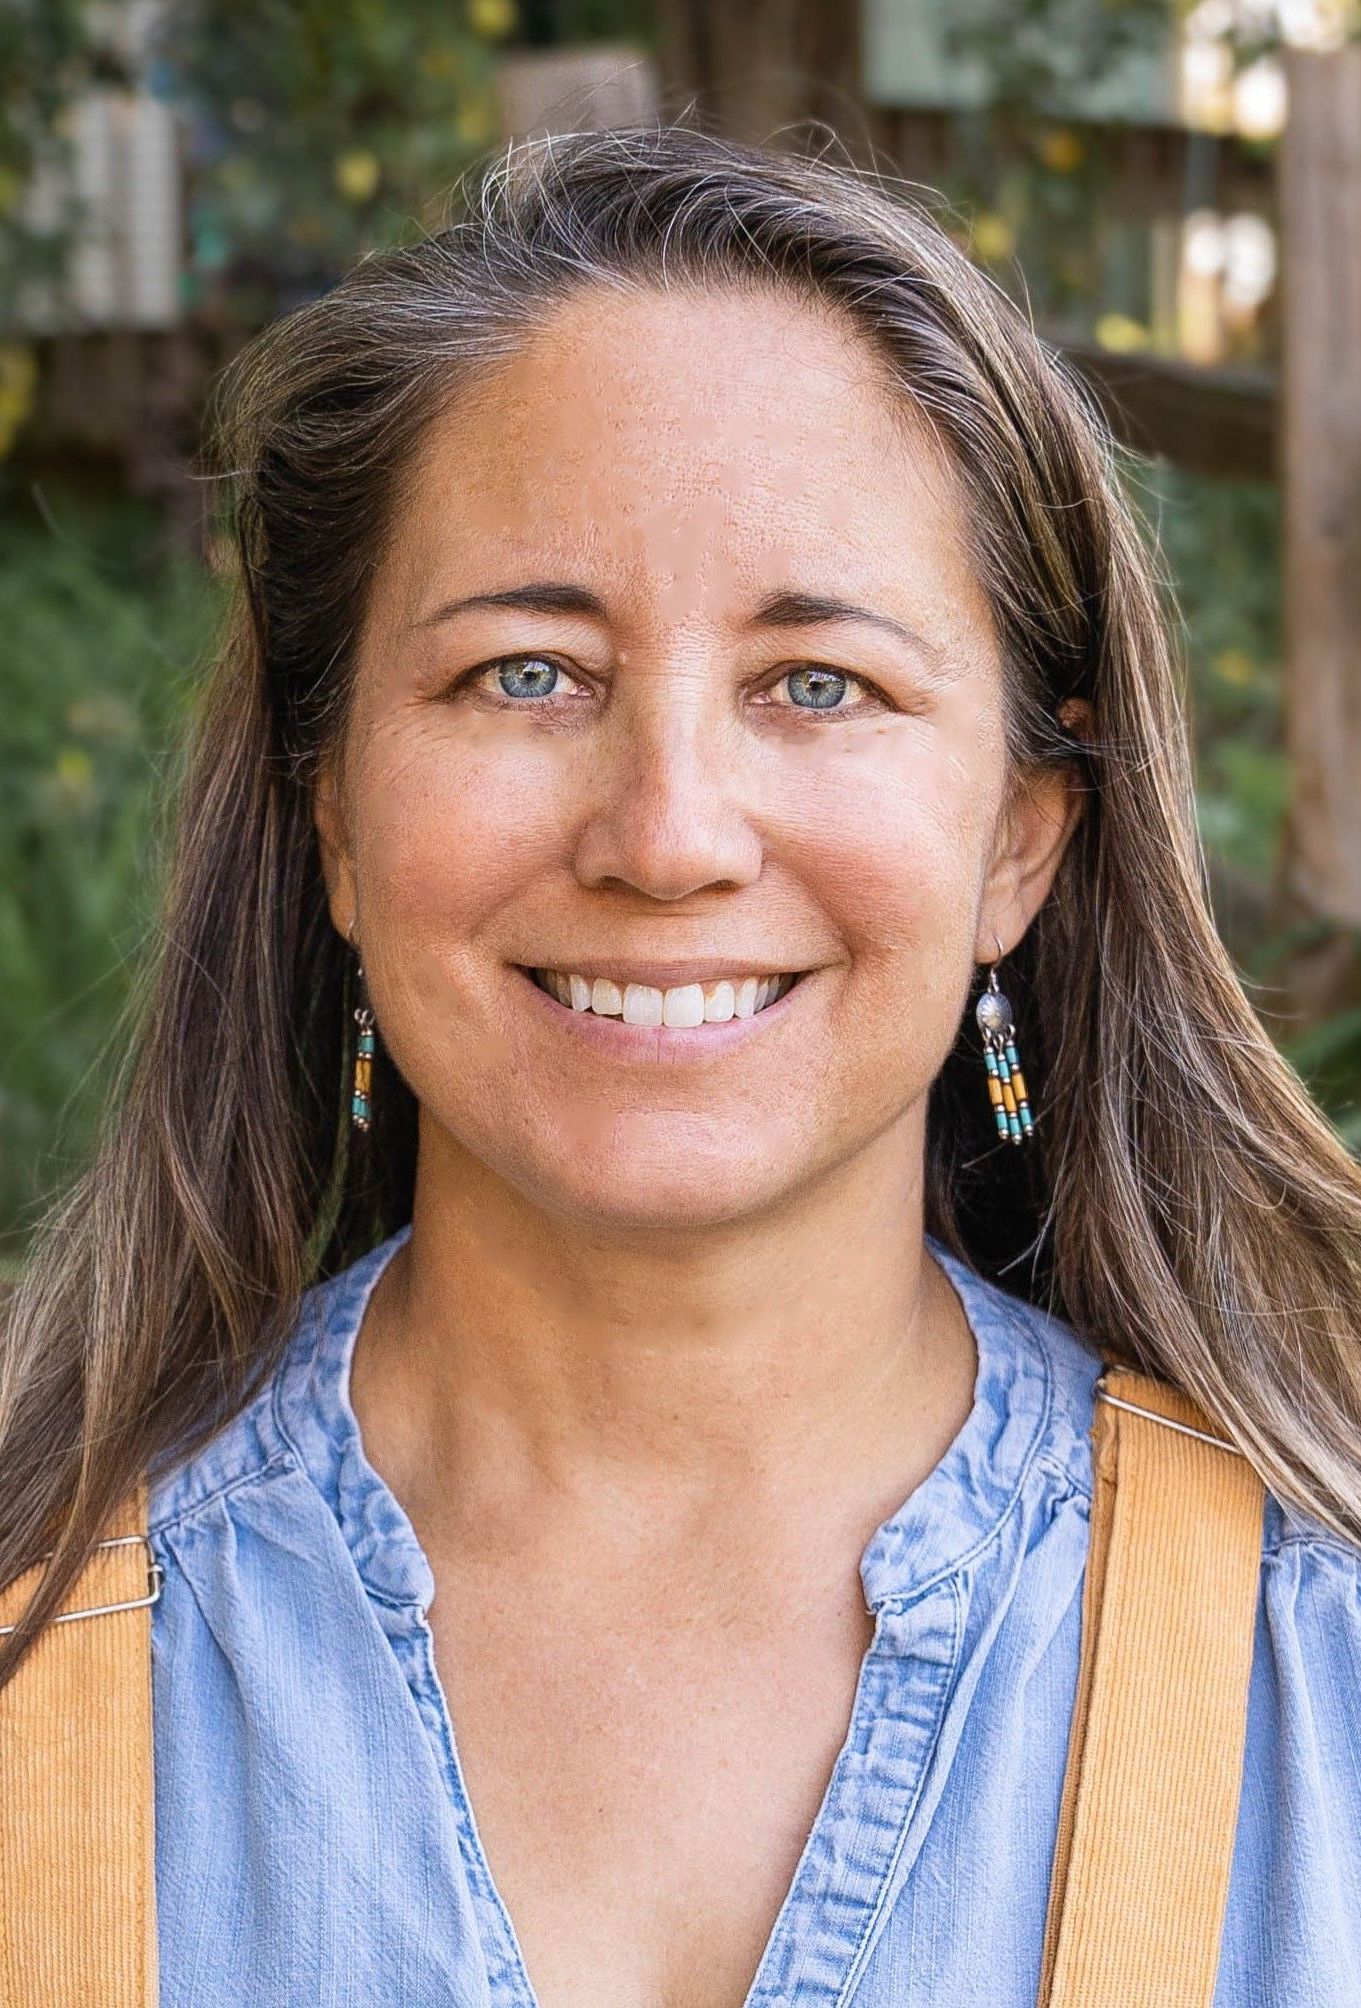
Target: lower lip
{"x": 668, "y": 1043}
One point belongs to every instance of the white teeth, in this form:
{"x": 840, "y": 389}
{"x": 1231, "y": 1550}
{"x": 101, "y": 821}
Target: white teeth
{"x": 718, "y": 1003}
{"x": 684, "y": 1005}
{"x": 642, "y": 1005}
{"x": 744, "y": 1004}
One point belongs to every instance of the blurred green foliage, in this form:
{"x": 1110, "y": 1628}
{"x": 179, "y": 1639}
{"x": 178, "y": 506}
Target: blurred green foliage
{"x": 102, "y": 632}
{"x": 1031, "y": 169}
{"x": 1220, "y": 543}
{"x": 321, "y": 129}
{"x": 46, "y": 57}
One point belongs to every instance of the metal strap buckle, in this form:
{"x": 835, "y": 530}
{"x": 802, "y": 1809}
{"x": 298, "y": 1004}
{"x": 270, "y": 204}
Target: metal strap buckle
{"x": 155, "y": 1577}
{"x": 1183, "y": 1428}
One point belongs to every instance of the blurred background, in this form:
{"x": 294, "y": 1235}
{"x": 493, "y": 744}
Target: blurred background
{"x": 1174, "y": 190}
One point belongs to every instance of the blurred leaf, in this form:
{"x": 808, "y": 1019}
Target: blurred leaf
{"x": 1323, "y": 1045}
{"x": 102, "y": 637}
{"x": 321, "y": 131}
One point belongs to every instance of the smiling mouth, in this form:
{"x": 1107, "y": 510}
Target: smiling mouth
{"x": 685, "y": 1005}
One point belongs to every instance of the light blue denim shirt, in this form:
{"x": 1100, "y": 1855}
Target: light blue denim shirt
{"x": 315, "y": 1844}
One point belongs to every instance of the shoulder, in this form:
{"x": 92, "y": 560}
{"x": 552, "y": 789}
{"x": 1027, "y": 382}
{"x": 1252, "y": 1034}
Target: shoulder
{"x": 1299, "y": 1822}
{"x": 1312, "y": 1578}
{"x": 262, "y": 1439}
{"x": 1301, "y": 1803}
{"x": 1320, "y": 1569}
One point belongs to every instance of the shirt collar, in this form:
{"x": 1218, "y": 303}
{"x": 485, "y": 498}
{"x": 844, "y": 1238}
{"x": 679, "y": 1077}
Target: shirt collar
{"x": 966, "y": 1496}
{"x": 940, "y": 1526}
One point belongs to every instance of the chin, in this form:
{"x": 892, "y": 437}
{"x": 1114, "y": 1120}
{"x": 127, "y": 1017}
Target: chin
{"x": 622, "y": 1195}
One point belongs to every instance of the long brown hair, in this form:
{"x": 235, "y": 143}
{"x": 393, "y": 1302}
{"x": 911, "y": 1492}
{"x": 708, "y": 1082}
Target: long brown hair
{"x": 1186, "y": 1206}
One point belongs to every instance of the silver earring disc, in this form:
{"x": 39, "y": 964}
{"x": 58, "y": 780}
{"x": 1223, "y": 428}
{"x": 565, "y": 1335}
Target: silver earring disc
{"x": 993, "y": 1012}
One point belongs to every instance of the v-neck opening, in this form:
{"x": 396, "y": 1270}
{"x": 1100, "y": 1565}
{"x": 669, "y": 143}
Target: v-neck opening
{"x": 824, "y": 1928}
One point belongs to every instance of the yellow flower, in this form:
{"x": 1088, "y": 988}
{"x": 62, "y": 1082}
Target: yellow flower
{"x": 492, "y": 18}
{"x": 473, "y": 124}
{"x": 1235, "y": 665}
{"x": 442, "y": 63}
{"x": 358, "y": 176}
{"x": 1121, "y": 335}
{"x": 18, "y": 378}
{"x": 993, "y": 237}
{"x": 1061, "y": 150}
{"x": 75, "y": 774}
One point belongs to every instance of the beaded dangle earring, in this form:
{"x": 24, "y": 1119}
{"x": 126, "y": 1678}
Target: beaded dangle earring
{"x": 1006, "y": 1082}
{"x": 361, "y": 1098}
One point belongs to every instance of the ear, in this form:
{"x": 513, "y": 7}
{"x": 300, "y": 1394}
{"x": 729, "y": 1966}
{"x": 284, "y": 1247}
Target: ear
{"x": 328, "y": 815}
{"x": 1033, "y": 833}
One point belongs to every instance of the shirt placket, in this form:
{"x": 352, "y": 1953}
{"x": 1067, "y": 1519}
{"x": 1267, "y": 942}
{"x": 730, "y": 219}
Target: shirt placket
{"x": 866, "y": 1835}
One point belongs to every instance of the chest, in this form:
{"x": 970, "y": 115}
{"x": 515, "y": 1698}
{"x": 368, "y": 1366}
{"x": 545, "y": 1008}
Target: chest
{"x": 644, "y": 1773}
{"x": 311, "y": 1843}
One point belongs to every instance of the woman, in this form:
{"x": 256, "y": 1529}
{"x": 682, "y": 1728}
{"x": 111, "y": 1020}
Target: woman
{"x": 690, "y": 645}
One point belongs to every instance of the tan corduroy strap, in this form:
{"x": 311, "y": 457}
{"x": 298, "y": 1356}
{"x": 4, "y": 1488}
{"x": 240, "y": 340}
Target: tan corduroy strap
{"x": 1150, "y": 1798}
{"x": 1155, "y": 1757}
{"x": 77, "y": 1805}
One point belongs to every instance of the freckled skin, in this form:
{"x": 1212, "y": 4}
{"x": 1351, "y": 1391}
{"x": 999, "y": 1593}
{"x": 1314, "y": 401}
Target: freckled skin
{"x": 682, "y": 457}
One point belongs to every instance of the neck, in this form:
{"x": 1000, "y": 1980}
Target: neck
{"x": 678, "y": 1366}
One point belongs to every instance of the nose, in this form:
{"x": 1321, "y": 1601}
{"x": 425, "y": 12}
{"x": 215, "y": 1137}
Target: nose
{"x": 669, "y": 816}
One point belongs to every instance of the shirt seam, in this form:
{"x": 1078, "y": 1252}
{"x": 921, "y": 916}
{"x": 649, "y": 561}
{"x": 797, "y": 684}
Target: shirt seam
{"x": 318, "y": 1317}
{"x": 278, "y": 1461}
{"x": 1057, "y": 1469}
{"x": 1329, "y": 1542}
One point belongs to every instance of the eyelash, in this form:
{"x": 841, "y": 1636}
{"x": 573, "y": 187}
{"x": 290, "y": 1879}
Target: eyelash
{"x": 470, "y": 679}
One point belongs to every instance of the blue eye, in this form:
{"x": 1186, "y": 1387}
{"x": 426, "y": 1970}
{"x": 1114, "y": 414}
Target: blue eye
{"x": 824, "y": 687}
{"x": 527, "y": 676}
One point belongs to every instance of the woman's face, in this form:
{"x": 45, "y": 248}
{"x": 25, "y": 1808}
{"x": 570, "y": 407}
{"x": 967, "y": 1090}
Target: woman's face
{"x": 677, "y": 674}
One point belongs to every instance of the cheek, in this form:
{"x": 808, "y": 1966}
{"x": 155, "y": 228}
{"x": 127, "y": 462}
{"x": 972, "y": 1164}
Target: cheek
{"x": 899, "y": 863}
{"x": 895, "y": 835}
{"x": 450, "y": 831}
{"x": 449, "y": 837}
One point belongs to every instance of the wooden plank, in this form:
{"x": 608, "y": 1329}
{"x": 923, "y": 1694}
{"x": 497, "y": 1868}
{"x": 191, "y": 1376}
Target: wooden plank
{"x": 1321, "y": 226}
{"x": 1147, "y": 170}
{"x": 1221, "y": 422}
{"x": 761, "y": 70}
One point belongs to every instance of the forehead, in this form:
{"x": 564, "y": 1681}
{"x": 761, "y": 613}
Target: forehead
{"x": 689, "y": 441}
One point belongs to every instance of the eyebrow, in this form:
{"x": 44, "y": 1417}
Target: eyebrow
{"x": 778, "y": 610}
{"x": 817, "y": 610}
